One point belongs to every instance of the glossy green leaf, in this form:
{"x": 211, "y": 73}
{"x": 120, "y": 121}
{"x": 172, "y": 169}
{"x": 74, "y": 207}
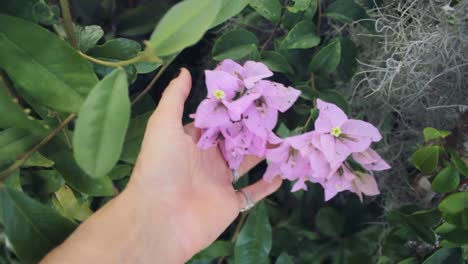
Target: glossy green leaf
{"x": 134, "y": 137}
{"x": 102, "y": 124}
{"x": 57, "y": 151}
{"x": 269, "y": 9}
{"x": 14, "y": 181}
{"x": 426, "y": 159}
{"x": 216, "y": 250}
{"x": 184, "y": 25}
{"x": 45, "y": 181}
{"x": 229, "y": 9}
{"x": 234, "y": 45}
{"x": 329, "y": 221}
{"x": 459, "y": 163}
{"x": 454, "y": 209}
{"x": 284, "y": 259}
{"x": 36, "y": 11}
{"x": 431, "y": 133}
{"x": 16, "y": 117}
{"x": 14, "y": 142}
{"x": 327, "y": 59}
{"x": 37, "y": 160}
{"x": 348, "y": 63}
{"x": 116, "y": 49}
{"x": 88, "y": 36}
{"x": 453, "y": 234}
{"x": 276, "y": 62}
{"x": 142, "y": 19}
{"x": 254, "y": 242}
{"x": 447, "y": 180}
{"x": 66, "y": 202}
{"x": 446, "y": 255}
{"x": 61, "y": 81}
{"x": 32, "y": 228}
{"x": 120, "y": 171}
{"x": 301, "y": 36}
{"x": 300, "y": 5}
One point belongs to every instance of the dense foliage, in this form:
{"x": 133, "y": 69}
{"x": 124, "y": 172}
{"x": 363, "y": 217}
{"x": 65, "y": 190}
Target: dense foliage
{"x": 75, "y": 95}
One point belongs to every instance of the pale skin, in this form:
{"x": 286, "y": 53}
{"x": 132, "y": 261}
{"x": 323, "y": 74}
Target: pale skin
{"x": 178, "y": 201}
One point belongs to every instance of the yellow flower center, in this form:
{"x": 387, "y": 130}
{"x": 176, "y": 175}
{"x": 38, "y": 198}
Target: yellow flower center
{"x": 219, "y": 94}
{"x": 336, "y": 132}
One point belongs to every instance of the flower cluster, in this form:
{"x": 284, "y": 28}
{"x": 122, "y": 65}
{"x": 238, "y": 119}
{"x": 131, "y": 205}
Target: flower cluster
{"x": 241, "y": 111}
{"x": 320, "y": 156}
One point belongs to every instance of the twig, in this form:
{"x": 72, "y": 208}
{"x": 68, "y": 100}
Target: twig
{"x": 65, "y": 132}
{"x": 153, "y": 81}
{"x": 28, "y": 154}
{"x": 68, "y": 23}
{"x": 319, "y": 17}
{"x": 239, "y": 225}
{"x": 270, "y": 37}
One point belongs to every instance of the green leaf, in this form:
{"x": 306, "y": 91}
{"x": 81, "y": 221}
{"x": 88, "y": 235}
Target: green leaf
{"x": 184, "y": 25}
{"x": 234, "y": 45}
{"x": 329, "y": 221}
{"x": 88, "y": 36}
{"x": 46, "y": 181}
{"x": 134, "y": 137}
{"x": 269, "y": 9}
{"x": 36, "y": 11}
{"x": 446, "y": 255}
{"x": 348, "y": 62}
{"x": 37, "y": 160}
{"x": 300, "y": 5}
{"x": 254, "y": 242}
{"x": 346, "y": 11}
{"x": 301, "y": 36}
{"x": 216, "y": 250}
{"x": 116, "y": 49}
{"x": 57, "y": 151}
{"x": 141, "y": 19}
{"x": 454, "y": 209}
{"x": 14, "y": 181}
{"x": 336, "y": 98}
{"x": 431, "y": 133}
{"x": 426, "y": 159}
{"x": 447, "y": 180}
{"x": 411, "y": 260}
{"x": 14, "y": 142}
{"x": 32, "y": 228}
{"x": 229, "y": 9}
{"x": 284, "y": 259}
{"x": 61, "y": 81}
{"x": 453, "y": 234}
{"x": 120, "y": 171}
{"x": 66, "y": 202}
{"x": 16, "y": 117}
{"x": 327, "y": 59}
{"x": 459, "y": 163}
{"x": 102, "y": 124}
{"x": 276, "y": 62}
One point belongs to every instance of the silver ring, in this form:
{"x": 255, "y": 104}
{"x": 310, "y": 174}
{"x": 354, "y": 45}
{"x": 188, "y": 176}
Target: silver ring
{"x": 235, "y": 176}
{"x": 249, "y": 203}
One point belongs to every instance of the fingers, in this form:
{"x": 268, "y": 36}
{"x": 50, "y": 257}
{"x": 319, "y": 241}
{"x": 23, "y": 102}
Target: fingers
{"x": 171, "y": 106}
{"x": 192, "y": 131}
{"x": 248, "y": 163}
{"x": 258, "y": 191}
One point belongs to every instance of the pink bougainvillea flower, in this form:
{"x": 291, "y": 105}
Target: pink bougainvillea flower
{"x": 249, "y": 74}
{"x": 277, "y": 95}
{"x": 370, "y": 160}
{"x": 288, "y": 163}
{"x": 340, "y": 136}
{"x": 340, "y": 181}
{"x": 364, "y": 183}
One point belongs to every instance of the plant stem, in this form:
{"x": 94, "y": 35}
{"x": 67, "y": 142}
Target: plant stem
{"x": 319, "y": 17}
{"x": 28, "y": 154}
{"x": 270, "y": 37}
{"x": 9, "y": 89}
{"x": 239, "y": 225}
{"x": 68, "y": 23}
{"x": 153, "y": 81}
{"x": 65, "y": 132}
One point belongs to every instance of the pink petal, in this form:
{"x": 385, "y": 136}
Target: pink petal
{"x": 299, "y": 185}
{"x": 333, "y": 113}
{"x": 238, "y": 107}
{"x": 371, "y": 160}
{"x": 230, "y": 67}
{"x": 366, "y": 184}
{"x": 279, "y": 96}
{"x": 211, "y": 113}
{"x": 219, "y": 80}
{"x": 260, "y": 121}
{"x": 209, "y": 138}
{"x": 278, "y": 154}
{"x": 334, "y": 151}
{"x": 360, "y": 128}
{"x": 254, "y": 72}
{"x": 258, "y": 146}
{"x": 271, "y": 172}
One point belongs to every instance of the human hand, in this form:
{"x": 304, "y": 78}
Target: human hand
{"x": 192, "y": 187}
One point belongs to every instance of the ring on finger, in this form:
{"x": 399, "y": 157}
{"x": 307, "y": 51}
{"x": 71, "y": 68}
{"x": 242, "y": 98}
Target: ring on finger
{"x": 249, "y": 203}
{"x": 235, "y": 176}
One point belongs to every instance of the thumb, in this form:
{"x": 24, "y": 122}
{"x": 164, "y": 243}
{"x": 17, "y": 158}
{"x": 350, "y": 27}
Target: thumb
{"x": 171, "y": 105}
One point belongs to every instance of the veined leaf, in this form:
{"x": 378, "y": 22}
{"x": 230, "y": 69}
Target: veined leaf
{"x": 134, "y": 137}
{"x": 229, "y": 9}
{"x": 327, "y": 59}
{"x": 235, "y": 44}
{"x": 301, "y": 36}
{"x": 13, "y": 142}
{"x": 269, "y": 9}
{"x": 44, "y": 66}
{"x": 102, "y": 124}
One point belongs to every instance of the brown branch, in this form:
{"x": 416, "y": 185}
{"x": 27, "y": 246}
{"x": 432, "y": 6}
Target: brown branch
{"x": 151, "y": 84}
